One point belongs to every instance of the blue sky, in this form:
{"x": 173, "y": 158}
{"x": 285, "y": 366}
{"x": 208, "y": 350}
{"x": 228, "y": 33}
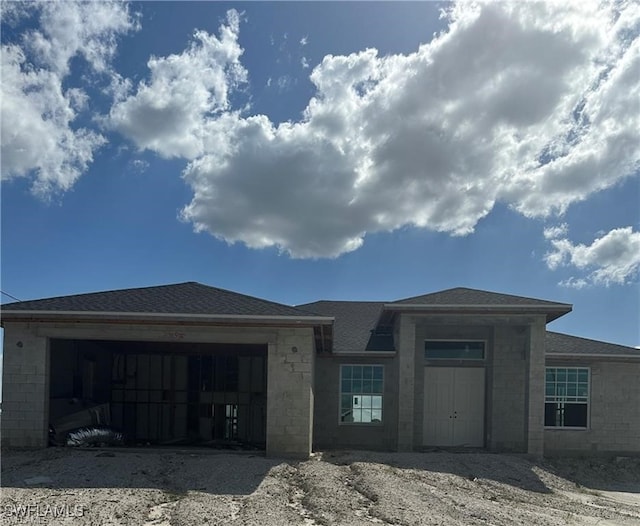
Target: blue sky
{"x": 304, "y": 151}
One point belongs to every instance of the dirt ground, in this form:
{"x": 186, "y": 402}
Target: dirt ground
{"x": 169, "y": 487}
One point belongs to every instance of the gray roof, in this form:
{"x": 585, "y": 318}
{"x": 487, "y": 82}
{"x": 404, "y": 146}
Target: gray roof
{"x": 557, "y": 343}
{"x": 464, "y": 296}
{"x": 180, "y": 298}
{"x": 354, "y": 321}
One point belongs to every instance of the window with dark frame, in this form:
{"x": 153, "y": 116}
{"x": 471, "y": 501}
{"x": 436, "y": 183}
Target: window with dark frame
{"x": 361, "y": 393}
{"x": 566, "y": 397}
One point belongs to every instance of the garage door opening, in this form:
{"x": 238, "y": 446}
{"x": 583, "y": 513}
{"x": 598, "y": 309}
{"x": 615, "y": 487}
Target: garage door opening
{"x": 159, "y": 393}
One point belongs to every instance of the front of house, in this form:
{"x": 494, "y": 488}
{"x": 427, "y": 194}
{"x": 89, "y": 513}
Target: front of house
{"x": 191, "y": 364}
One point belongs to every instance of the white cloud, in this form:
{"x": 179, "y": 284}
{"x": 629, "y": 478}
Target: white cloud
{"x": 554, "y": 232}
{"x": 524, "y": 103}
{"x": 86, "y": 28}
{"x": 600, "y": 144}
{"x": 285, "y": 82}
{"x": 139, "y": 165}
{"x": 39, "y": 139}
{"x": 613, "y": 258}
{"x": 574, "y": 283}
{"x": 170, "y": 114}
{"x": 36, "y": 127}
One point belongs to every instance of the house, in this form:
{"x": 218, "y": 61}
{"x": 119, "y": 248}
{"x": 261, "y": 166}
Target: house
{"x": 193, "y": 364}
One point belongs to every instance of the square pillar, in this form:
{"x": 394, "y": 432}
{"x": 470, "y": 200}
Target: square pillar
{"x": 290, "y": 366}
{"x": 25, "y": 388}
{"x": 406, "y": 382}
{"x": 535, "y": 391}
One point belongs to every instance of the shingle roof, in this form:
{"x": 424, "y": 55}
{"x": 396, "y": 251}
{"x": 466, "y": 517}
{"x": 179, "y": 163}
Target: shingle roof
{"x": 354, "y": 321}
{"x": 557, "y": 343}
{"x": 180, "y": 298}
{"x": 464, "y": 296}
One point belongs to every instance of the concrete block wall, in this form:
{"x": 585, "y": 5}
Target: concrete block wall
{"x": 328, "y": 432}
{"x": 26, "y": 390}
{"x": 535, "y": 391}
{"x": 508, "y": 393}
{"x": 406, "y": 344}
{"x": 25, "y": 387}
{"x": 290, "y": 394}
{"x": 614, "y": 409}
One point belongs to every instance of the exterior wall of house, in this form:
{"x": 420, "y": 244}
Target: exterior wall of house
{"x": 535, "y": 387}
{"x": 614, "y": 411}
{"x": 26, "y": 376}
{"x": 25, "y": 387}
{"x": 513, "y": 344}
{"x": 329, "y": 433}
{"x": 303, "y": 388}
{"x": 509, "y": 385}
{"x": 506, "y": 401}
{"x": 407, "y": 375}
{"x": 290, "y": 395}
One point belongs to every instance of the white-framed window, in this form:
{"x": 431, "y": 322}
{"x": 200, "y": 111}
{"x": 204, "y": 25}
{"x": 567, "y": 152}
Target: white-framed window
{"x": 361, "y": 394}
{"x": 566, "y": 401}
{"x": 454, "y": 350}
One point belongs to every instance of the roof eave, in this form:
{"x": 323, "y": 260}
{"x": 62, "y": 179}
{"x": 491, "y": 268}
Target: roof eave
{"x": 552, "y": 312}
{"x": 32, "y": 316}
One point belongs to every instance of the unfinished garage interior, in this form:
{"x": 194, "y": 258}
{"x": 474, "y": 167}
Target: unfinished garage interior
{"x": 162, "y": 393}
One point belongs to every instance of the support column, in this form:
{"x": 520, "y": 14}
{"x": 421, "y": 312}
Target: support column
{"x": 535, "y": 421}
{"x": 25, "y": 388}
{"x": 290, "y": 366}
{"x": 406, "y": 382}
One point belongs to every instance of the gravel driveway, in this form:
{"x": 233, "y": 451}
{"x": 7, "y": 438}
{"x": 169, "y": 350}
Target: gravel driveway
{"x": 168, "y": 487}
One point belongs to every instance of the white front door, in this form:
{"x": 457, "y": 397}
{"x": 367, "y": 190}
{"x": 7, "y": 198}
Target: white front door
{"x": 453, "y": 406}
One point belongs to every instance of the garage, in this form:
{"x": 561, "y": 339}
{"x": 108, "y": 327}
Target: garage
{"x": 169, "y": 366}
{"x": 161, "y": 393}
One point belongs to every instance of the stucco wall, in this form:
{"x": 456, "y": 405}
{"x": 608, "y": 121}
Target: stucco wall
{"x": 328, "y": 432}
{"x": 614, "y": 412}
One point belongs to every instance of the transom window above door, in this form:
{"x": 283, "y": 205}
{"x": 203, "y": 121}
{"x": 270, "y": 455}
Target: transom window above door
{"x": 453, "y": 350}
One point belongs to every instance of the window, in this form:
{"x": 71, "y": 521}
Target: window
{"x": 453, "y": 350}
{"x": 361, "y": 388}
{"x": 566, "y": 397}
